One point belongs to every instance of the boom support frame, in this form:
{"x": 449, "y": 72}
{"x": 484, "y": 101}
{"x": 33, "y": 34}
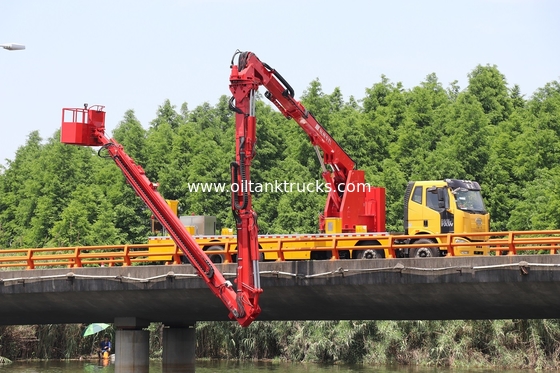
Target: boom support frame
{"x": 349, "y": 198}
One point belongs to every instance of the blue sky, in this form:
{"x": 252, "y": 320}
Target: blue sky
{"x": 136, "y": 54}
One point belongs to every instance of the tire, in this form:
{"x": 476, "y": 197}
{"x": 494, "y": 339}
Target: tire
{"x": 344, "y": 254}
{"x": 320, "y": 255}
{"x": 234, "y": 256}
{"x": 182, "y": 257}
{"x": 424, "y": 252}
{"x": 369, "y": 253}
{"x": 215, "y": 258}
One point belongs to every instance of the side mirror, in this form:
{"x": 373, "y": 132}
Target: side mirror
{"x": 443, "y": 201}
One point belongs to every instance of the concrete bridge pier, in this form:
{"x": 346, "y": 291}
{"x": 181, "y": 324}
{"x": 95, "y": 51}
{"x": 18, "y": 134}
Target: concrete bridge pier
{"x": 132, "y": 345}
{"x": 179, "y": 345}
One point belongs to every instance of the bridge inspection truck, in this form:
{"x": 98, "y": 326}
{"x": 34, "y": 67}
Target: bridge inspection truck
{"x": 354, "y": 213}
{"x": 353, "y": 221}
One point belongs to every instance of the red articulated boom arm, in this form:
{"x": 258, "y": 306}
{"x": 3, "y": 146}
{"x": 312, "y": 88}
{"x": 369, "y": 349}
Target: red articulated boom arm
{"x": 86, "y": 127}
{"x": 349, "y": 198}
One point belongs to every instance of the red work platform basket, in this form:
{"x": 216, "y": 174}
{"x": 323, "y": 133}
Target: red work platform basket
{"x": 79, "y": 126}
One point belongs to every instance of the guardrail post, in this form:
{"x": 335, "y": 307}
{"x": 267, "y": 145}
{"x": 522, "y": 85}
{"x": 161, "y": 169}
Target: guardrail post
{"x": 30, "y": 263}
{"x": 391, "y": 248}
{"x": 227, "y": 254}
{"x": 279, "y": 251}
{"x": 77, "y": 259}
{"x": 334, "y": 253}
{"x": 450, "y": 247}
{"x": 511, "y": 244}
{"x": 177, "y": 255}
{"x": 126, "y": 258}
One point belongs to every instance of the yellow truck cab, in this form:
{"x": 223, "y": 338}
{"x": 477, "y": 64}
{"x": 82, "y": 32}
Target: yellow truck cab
{"x": 445, "y": 206}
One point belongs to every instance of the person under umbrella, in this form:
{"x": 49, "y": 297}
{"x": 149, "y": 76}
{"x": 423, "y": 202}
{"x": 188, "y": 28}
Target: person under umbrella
{"x": 104, "y": 347}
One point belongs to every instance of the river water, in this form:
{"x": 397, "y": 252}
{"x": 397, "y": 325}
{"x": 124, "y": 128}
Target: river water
{"x": 227, "y": 367}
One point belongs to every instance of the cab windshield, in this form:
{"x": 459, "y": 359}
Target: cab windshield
{"x": 469, "y": 200}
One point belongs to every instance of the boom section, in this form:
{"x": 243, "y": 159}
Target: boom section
{"x": 251, "y": 72}
{"x": 86, "y": 127}
{"x": 241, "y": 200}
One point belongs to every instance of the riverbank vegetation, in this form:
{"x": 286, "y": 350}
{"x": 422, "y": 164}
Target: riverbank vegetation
{"x": 54, "y": 195}
{"x": 500, "y": 343}
{"x": 523, "y": 344}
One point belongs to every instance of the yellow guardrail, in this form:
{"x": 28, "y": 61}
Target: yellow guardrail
{"x": 500, "y": 243}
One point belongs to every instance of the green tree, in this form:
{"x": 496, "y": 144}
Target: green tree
{"x": 489, "y": 86}
{"x": 462, "y": 151}
{"x": 132, "y": 136}
{"x": 538, "y": 208}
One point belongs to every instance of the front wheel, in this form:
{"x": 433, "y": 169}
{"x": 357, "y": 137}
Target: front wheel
{"x": 424, "y": 252}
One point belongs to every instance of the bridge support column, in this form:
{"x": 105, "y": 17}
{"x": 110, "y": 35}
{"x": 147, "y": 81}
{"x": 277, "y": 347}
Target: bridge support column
{"x": 132, "y": 351}
{"x": 179, "y": 345}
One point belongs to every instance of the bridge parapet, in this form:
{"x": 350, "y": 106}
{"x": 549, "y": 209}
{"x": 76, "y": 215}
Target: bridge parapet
{"x": 490, "y": 287}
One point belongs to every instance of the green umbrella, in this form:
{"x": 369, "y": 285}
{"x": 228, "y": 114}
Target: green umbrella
{"x": 96, "y": 327}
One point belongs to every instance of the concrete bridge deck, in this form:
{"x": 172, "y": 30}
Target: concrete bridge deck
{"x": 494, "y": 287}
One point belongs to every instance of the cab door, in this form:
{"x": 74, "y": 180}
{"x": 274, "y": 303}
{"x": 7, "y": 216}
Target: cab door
{"x": 414, "y": 210}
{"x": 437, "y": 217}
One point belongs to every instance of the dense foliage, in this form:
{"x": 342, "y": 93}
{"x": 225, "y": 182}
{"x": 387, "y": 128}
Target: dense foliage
{"x": 53, "y": 194}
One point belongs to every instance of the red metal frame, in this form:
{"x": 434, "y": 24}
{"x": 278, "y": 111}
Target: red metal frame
{"x": 86, "y": 127}
{"x": 354, "y": 205}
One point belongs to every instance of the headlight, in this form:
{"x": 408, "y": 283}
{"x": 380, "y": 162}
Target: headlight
{"x": 460, "y": 240}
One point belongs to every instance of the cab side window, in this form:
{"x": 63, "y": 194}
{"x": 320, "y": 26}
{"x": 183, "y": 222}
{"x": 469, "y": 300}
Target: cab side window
{"x": 417, "y": 195}
{"x": 432, "y": 201}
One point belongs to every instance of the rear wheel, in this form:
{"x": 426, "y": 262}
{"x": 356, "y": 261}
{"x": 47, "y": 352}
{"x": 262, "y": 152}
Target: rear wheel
{"x": 215, "y": 258}
{"x": 424, "y": 252}
{"x": 368, "y": 253}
